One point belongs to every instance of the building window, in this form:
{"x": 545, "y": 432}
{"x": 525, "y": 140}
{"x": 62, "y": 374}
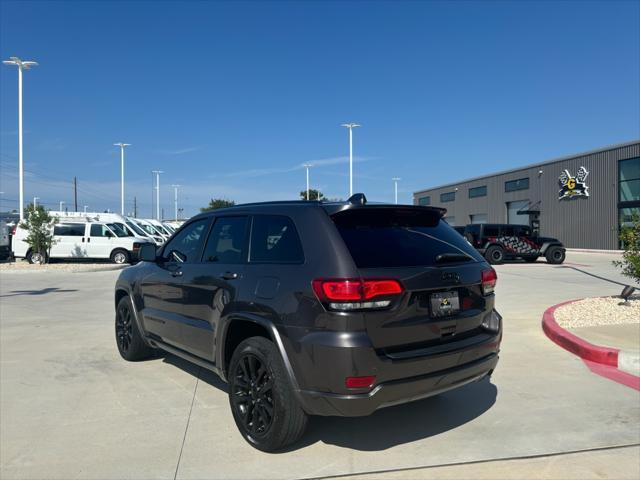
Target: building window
{"x": 478, "y": 218}
{"x": 629, "y": 175}
{"x": 424, "y": 201}
{"x": 447, "y": 197}
{"x": 515, "y": 185}
{"x": 478, "y": 192}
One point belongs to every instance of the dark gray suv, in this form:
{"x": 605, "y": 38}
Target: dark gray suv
{"x": 314, "y": 308}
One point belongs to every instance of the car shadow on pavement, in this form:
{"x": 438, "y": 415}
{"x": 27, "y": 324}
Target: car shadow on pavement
{"x": 387, "y": 427}
{"x": 44, "y": 291}
{"x": 203, "y": 374}
{"x": 406, "y": 423}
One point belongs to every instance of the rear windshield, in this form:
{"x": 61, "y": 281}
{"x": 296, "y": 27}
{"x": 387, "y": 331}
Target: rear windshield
{"x": 384, "y": 237}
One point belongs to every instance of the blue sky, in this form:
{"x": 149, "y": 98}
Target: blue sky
{"x": 230, "y": 98}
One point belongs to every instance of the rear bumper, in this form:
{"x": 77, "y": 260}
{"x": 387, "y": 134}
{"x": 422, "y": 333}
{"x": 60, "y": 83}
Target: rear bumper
{"x": 397, "y": 391}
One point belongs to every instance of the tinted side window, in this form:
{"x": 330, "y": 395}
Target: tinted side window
{"x": 508, "y": 231}
{"x": 227, "y": 241}
{"x": 491, "y": 231}
{"x": 188, "y": 242}
{"x": 98, "y": 230}
{"x": 274, "y": 239}
{"x": 69, "y": 230}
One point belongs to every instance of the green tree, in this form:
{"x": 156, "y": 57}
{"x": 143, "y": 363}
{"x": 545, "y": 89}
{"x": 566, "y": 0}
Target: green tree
{"x": 313, "y": 194}
{"x": 39, "y": 227}
{"x": 216, "y": 203}
{"x": 630, "y": 237}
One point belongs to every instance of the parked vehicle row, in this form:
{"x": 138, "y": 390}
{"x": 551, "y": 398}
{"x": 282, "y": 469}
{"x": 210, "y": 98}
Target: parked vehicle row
{"x": 499, "y": 242}
{"x": 309, "y": 308}
{"x": 95, "y": 235}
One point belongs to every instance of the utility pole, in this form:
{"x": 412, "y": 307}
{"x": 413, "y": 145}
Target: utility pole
{"x": 135, "y": 207}
{"x": 160, "y": 219}
{"x": 307, "y": 166}
{"x": 395, "y": 182}
{"x": 175, "y": 200}
{"x": 350, "y": 126}
{"x": 75, "y": 194}
{"x": 122, "y": 146}
{"x": 157, "y": 173}
{"x": 21, "y": 66}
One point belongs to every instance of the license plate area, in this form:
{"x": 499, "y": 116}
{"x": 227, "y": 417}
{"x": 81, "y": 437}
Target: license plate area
{"x": 444, "y": 304}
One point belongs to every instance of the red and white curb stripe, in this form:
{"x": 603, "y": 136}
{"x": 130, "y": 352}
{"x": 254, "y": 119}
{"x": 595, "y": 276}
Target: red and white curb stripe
{"x": 618, "y": 365}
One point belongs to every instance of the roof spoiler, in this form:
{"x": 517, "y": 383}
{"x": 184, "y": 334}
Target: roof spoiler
{"x": 357, "y": 199}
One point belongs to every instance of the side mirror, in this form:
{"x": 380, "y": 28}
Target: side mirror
{"x": 109, "y": 234}
{"x": 147, "y": 252}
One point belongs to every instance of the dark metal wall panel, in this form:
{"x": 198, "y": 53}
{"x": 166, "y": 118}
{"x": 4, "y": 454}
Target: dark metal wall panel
{"x": 579, "y": 223}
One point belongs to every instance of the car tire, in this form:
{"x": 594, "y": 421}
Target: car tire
{"x": 130, "y": 343}
{"x": 555, "y": 255}
{"x": 120, "y": 257}
{"x": 494, "y": 255}
{"x": 261, "y": 396}
{"x": 36, "y": 258}
{"x": 530, "y": 259}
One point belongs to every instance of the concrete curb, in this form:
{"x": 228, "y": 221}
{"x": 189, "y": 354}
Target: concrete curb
{"x": 623, "y": 366}
{"x": 592, "y": 250}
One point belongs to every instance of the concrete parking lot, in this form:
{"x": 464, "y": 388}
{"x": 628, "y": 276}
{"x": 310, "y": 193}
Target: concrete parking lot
{"x": 72, "y": 408}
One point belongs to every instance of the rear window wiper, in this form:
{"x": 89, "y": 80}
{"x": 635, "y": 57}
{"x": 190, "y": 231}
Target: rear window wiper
{"x": 452, "y": 257}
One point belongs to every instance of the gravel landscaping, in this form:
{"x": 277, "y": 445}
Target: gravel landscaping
{"x": 592, "y": 312}
{"x": 24, "y": 266}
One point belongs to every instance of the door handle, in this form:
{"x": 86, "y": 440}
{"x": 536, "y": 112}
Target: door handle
{"x": 229, "y": 276}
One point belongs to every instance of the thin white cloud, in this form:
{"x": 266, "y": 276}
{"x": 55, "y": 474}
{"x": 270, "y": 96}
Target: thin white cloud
{"x": 179, "y": 151}
{"x": 323, "y": 162}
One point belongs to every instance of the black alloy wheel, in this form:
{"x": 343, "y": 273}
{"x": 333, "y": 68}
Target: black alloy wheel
{"x": 252, "y": 395}
{"x": 124, "y": 331}
{"x": 130, "y": 343}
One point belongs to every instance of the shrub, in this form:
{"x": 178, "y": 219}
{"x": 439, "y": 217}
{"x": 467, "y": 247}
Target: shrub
{"x": 630, "y": 237}
{"x": 38, "y": 225}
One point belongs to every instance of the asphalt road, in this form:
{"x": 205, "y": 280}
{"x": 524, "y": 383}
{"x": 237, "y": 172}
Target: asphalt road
{"x": 72, "y": 408}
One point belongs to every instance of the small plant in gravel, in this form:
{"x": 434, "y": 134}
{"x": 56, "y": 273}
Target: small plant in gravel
{"x": 630, "y": 237}
{"x": 38, "y": 224}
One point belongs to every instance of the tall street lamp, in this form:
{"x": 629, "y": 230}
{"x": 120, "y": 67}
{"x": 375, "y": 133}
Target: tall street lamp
{"x": 61, "y": 204}
{"x": 175, "y": 200}
{"x": 122, "y": 146}
{"x": 395, "y": 182}
{"x": 35, "y": 202}
{"x": 350, "y": 126}
{"x": 26, "y": 65}
{"x": 307, "y": 166}
{"x": 157, "y": 173}
{"x": 85, "y": 208}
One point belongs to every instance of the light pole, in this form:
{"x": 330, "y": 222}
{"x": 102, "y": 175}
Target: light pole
{"x": 307, "y": 166}
{"x": 121, "y": 145}
{"x": 395, "y": 182}
{"x": 26, "y": 65}
{"x": 175, "y": 199}
{"x": 85, "y": 208}
{"x": 157, "y": 172}
{"x": 35, "y": 201}
{"x": 350, "y": 126}
{"x": 61, "y": 204}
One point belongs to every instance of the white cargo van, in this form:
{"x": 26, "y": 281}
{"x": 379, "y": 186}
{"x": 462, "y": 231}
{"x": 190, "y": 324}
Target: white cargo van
{"x": 74, "y": 239}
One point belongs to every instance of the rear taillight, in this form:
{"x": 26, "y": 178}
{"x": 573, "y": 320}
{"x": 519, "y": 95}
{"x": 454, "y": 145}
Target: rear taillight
{"x": 360, "y": 382}
{"x": 355, "y": 293}
{"x": 489, "y": 279}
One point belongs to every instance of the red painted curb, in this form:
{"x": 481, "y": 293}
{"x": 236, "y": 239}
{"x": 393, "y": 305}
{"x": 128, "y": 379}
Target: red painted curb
{"x": 576, "y": 345}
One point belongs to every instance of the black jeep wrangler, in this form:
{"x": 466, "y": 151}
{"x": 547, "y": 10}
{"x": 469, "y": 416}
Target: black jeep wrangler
{"x": 499, "y": 242}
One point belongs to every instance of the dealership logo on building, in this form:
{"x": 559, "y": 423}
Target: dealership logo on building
{"x": 571, "y": 187}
